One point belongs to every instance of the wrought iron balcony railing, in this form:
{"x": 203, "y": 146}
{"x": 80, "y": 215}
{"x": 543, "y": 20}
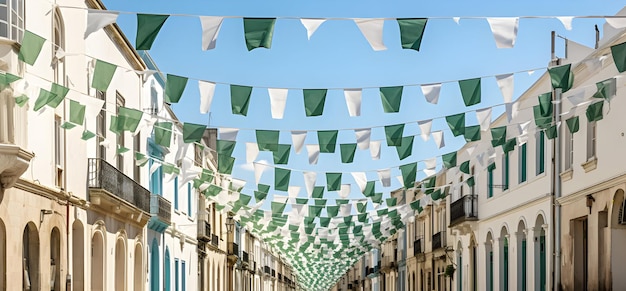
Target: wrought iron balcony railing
{"x": 464, "y": 209}
{"x": 215, "y": 240}
{"x": 162, "y": 208}
{"x": 418, "y": 246}
{"x": 104, "y": 176}
{"x": 245, "y": 257}
{"x": 204, "y": 230}
{"x": 439, "y": 240}
{"x": 235, "y": 249}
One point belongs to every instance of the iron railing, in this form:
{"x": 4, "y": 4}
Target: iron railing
{"x": 273, "y": 273}
{"x": 162, "y": 208}
{"x": 204, "y": 230}
{"x": 439, "y": 240}
{"x": 464, "y": 209}
{"x": 245, "y": 257}
{"x": 215, "y": 240}
{"x": 418, "y": 246}
{"x": 102, "y": 175}
{"x": 235, "y": 249}
{"x": 267, "y": 270}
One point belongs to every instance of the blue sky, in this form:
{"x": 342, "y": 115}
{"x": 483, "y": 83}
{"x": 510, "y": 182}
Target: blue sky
{"x": 338, "y": 56}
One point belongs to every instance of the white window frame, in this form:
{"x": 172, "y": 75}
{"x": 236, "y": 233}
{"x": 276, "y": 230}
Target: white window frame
{"x": 592, "y": 135}
{"x": 14, "y": 20}
{"x": 569, "y": 150}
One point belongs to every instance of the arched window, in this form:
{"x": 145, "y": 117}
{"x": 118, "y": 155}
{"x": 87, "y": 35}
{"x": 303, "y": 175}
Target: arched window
{"x": 30, "y": 257}
{"x": 166, "y": 271}
{"x": 58, "y": 40}
{"x": 12, "y": 19}
{"x": 97, "y": 262}
{"x": 138, "y": 278}
{"x": 78, "y": 252}
{"x": 154, "y": 266}
{"x": 120, "y": 265}
{"x": 55, "y": 259}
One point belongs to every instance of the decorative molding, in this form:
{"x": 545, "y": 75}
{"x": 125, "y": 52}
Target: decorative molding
{"x": 566, "y": 175}
{"x": 14, "y": 161}
{"x": 590, "y": 165}
{"x": 606, "y": 184}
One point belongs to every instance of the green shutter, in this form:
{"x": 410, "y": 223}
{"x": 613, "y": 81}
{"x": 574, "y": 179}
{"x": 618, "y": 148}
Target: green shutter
{"x": 522, "y": 163}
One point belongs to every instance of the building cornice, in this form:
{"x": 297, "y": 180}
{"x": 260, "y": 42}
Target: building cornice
{"x": 606, "y": 184}
{"x": 506, "y": 211}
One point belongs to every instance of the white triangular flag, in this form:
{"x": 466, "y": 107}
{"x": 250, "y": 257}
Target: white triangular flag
{"x": 210, "y": 29}
{"x": 505, "y": 82}
{"x": 297, "y": 139}
{"x": 278, "y": 100}
{"x": 363, "y": 137}
{"x": 252, "y": 151}
{"x": 431, "y": 92}
{"x": 293, "y": 191}
{"x": 576, "y": 52}
{"x": 229, "y": 133}
{"x": 309, "y": 181}
{"x": 504, "y": 30}
{"x": 457, "y": 20}
{"x": 361, "y": 180}
{"x": 353, "y": 101}
{"x": 154, "y": 167}
{"x": 385, "y": 177}
{"x": 314, "y": 153}
{"x": 484, "y": 118}
{"x": 344, "y": 191}
{"x": 93, "y": 107}
{"x": 107, "y": 143}
{"x": 311, "y": 25}
{"x": 425, "y": 127}
{"x": 438, "y": 137}
{"x": 618, "y": 22}
{"x": 511, "y": 110}
{"x": 566, "y": 21}
{"x": 375, "y": 149}
{"x": 98, "y": 19}
{"x": 430, "y": 163}
{"x": 429, "y": 172}
{"x": 207, "y": 89}
{"x": 372, "y": 29}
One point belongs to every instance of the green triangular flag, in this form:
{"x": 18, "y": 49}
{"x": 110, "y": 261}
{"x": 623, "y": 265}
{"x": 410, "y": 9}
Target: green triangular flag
{"x": 415, "y": 205}
{"x": 551, "y": 132}
{"x": 21, "y": 100}
{"x": 225, "y": 164}
{"x": 545, "y": 104}
{"x": 594, "y": 111}
{"x": 192, "y": 132}
{"x": 314, "y": 100}
{"x": 121, "y": 150}
{"x": 606, "y": 89}
{"x": 327, "y": 140}
{"x": 60, "y": 92}
{"x": 128, "y": 119}
{"x": 319, "y": 202}
{"x": 509, "y": 145}
{"x": 44, "y": 98}
{"x": 449, "y": 160}
{"x": 113, "y": 127}
{"x": 347, "y": 152}
{"x": 68, "y": 125}
{"x": 333, "y": 181}
{"x": 361, "y": 207}
{"x": 472, "y": 133}
{"x": 456, "y": 123}
{"x": 8, "y": 78}
{"x": 465, "y": 167}
{"x": 281, "y": 156}
{"x": 406, "y": 148}
{"x": 318, "y": 192}
{"x": 370, "y": 188}
{"x": 540, "y": 120}
{"x": 77, "y": 112}
{"x": 391, "y": 98}
{"x": 163, "y": 133}
{"x": 470, "y": 90}
{"x": 30, "y": 48}
{"x": 174, "y": 88}
{"x": 258, "y": 195}
{"x": 87, "y": 135}
{"x": 498, "y": 136}
{"x": 332, "y": 211}
{"x": 277, "y": 208}
{"x": 148, "y": 27}
{"x": 240, "y": 99}
{"x": 491, "y": 167}
{"x": 561, "y": 77}
{"x": 409, "y": 173}
{"x": 411, "y": 32}
{"x": 619, "y": 56}
{"x": 394, "y": 134}
{"x": 267, "y": 140}
{"x": 102, "y": 76}
{"x": 315, "y": 210}
{"x": 470, "y": 181}
{"x": 258, "y": 32}
{"x": 281, "y": 179}
{"x": 573, "y": 124}
{"x": 225, "y": 147}
{"x": 377, "y": 198}
{"x": 391, "y": 202}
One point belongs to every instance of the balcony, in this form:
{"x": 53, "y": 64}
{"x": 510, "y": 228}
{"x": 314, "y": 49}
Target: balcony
{"x": 267, "y": 270}
{"x": 160, "y": 209}
{"x": 233, "y": 249}
{"x": 418, "y": 246}
{"x": 439, "y": 240}
{"x": 204, "y": 231}
{"x": 215, "y": 240}
{"x": 114, "y": 193}
{"x": 273, "y": 273}
{"x": 464, "y": 209}
{"x": 14, "y": 158}
{"x": 245, "y": 259}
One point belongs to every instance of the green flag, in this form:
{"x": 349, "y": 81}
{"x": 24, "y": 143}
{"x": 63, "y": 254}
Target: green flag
{"x": 128, "y": 119}
{"x": 21, "y": 100}
{"x": 30, "y": 48}
{"x": 561, "y": 77}
{"x": 60, "y": 92}
{"x": 411, "y": 32}
{"x": 391, "y": 202}
{"x": 281, "y": 156}
{"x": 456, "y": 123}
{"x": 148, "y": 27}
{"x": 113, "y": 127}
{"x": 540, "y": 120}
{"x": 573, "y": 124}
{"x": 315, "y": 210}
{"x": 314, "y": 100}
{"x": 259, "y": 195}
{"x": 87, "y": 135}
{"x": 470, "y": 90}
{"x": 370, "y": 188}
{"x": 594, "y": 111}
{"x": 332, "y": 211}
{"x": 8, "y": 78}
{"x": 281, "y": 179}
{"x": 240, "y": 99}
{"x": 394, "y": 134}
{"x": 377, "y": 198}
{"x": 449, "y": 160}
{"x": 465, "y": 167}
{"x": 163, "y": 133}
{"x": 327, "y": 140}
{"x": 361, "y": 207}
{"x": 258, "y": 32}
{"x": 225, "y": 147}
{"x": 225, "y": 164}
{"x": 471, "y": 182}
{"x": 606, "y": 89}
{"x": 545, "y": 104}
{"x": 174, "y": 88}
{"x": 192, "y": 132}
{"x": 391, "y": 98}
{"x": 509, "y": 145}
{"x": 619, "y": 56}
{"x": 498, "y": 136}
{"x": 333, "y": 181}
{"x": 102, "y": 75}
{"x": 347, "y": 152}
{"x": 409, "y": 173}
{"x": 44, "y": 98}
{"x": 472, "y": 133}
{"x": 551, "y": 132}
{"x": 406, "y": 148}
{"x": 277, "y": 208}
{"x": 68, "y": 125}
{"x": 267, "y": 140}
{"x": 318, "y": 192}
{"x": 77, "y": 112}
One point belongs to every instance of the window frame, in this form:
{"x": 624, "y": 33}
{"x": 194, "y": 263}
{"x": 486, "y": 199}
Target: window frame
{"x": 523, "y": 161}
{"x": 541, "y": 153}
{"x": 505, "y": 171}
{"x": 592, "y": 136}
{"x": 14, "y": 21}
{"x": 490, "y": 182}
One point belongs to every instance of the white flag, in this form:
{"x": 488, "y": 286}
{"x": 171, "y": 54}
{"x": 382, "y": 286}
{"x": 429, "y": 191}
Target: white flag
{"x": 353, "y": 101}
{"x": 425, "y": 127}
{"x": 229, "y": 133}
{"x": 344, "y": 192}
{"x": 484, "y": 118}
{"x": 278, "y": 100}
{"x": 293, "y": 191}
{"x": 616, "y": 22}
{"x": 512, "y": 109}
{"x": 430, "y": 163}
{"x": 505, "y": 82}
{"x": 385, "y": 177}
{"x": 210, "y": 29}
{"x": 431, "y": 92}
{"x": 258, "y": 171}
{"x": 566, "y": 21}
{"x": 504, "y": 30}
{"x": 297, "y": 138}
{"x": 207, "y": 89}
{"x": 438, "y": 137}
{"x": 252, "y": 151}
{"x": 311, "y": 25}
{"x": 375, "y": 149}
{"x": 314, "y": 153}
{"x": 361, "y": 180}
{"x": 98, "y": 19}
{"x": 363, "y": 137}
{"x": 309, "y": 181}
{"x": 372, "y": 29}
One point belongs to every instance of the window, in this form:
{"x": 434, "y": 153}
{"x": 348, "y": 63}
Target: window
{"x": 59, "y": 151}
{"x": 522, "y": 163}
{"x": 156, "y": 180}
{"x": 569, "y": 150}
{"x": 183, "y": 277}
{"x": 490, "y": 180}
{"x": 541, "y": 152}
{"x": 136, "y": 149}
{"x": 473, "y": 185}
{"x": 12, "y": 19}
{"x": 176, "y": 193}
{"x": 189, "y": 200}
{"x": 176, "y": 275}
{"x": 461, "y": 186}
{"x": 591, "y": 140}
{"x": 101, "y": 126}
{"x": 120, "y": 137}
{"x": 505, "y": 171}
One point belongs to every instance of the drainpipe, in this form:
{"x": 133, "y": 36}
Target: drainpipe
{"x": 557, "y": 180}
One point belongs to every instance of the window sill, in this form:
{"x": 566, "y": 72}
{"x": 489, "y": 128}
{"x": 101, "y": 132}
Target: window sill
{"x": 567, "y": 175}
{"x": 590, "y": 165}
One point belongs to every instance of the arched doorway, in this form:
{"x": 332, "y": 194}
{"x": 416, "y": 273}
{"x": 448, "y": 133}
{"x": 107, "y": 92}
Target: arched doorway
{"x": 618, "y": 240}
{"x": 166, "y": 271}
{"x": 459, "y": 266}
{"x": 540, "y": 267}
{"x": 489, "y": 261}
{"x": 504, "y": 259}
{"x": 137, "y": 274}
{"x": 120, "y": 265}
{"x": 97, "y": 262}
{"x": 55, "y": 259}
{"x": 154, "y": 266}
{"x": 78, "y": 256}
{"x": 522, "y": 258}
{"x": 30, "y": 257}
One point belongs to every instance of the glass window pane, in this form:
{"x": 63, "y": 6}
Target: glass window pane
{"x": 4, "y": 30}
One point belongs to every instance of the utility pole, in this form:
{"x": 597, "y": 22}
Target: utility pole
{"x": 556, "y": 178}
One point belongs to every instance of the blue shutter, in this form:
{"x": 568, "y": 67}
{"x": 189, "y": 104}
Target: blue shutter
{"x": 176, "y": 193}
